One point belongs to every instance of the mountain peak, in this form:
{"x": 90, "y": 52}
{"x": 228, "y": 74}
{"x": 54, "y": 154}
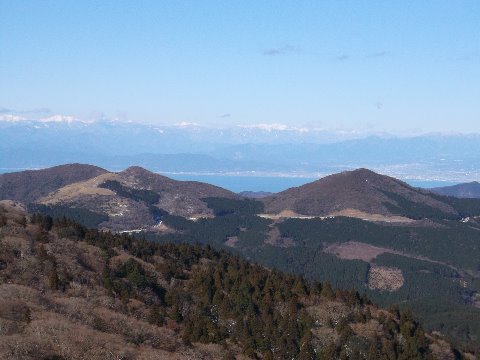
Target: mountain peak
{"x": 362, "y": 172}
{"x": 136, "y": 170}
{"x": 356, "y": 179}
{"x": 144, "y": 175}
{"x": 361, "y": 190}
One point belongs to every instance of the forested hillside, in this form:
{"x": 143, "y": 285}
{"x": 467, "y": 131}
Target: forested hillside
{"x": 72, "y": 292}
{"x": 436, "y": 262}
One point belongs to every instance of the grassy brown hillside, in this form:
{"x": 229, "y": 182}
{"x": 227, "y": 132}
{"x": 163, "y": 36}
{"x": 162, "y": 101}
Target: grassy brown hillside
{"x": 28, "y": 186}
{"x": 136, "y": 199}
{"x": 71, "y": 293}
{"x": 360, "y": 190}
{"x": 128, "y": 200}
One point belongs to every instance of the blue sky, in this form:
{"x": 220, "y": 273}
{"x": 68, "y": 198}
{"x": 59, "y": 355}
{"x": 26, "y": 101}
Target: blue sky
{"x": 384, "y": 65}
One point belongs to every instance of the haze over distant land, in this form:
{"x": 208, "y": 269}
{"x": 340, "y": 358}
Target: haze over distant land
{"x": 267, "y": 158}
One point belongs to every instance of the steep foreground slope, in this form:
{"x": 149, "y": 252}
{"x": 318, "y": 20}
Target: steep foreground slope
{"x": 71, "y": 293}
{"x": 361, "y": 190}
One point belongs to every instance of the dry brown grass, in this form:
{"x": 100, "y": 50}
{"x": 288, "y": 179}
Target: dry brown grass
{"x": 385, "y": 278}
{"x": 84, "y": 321}
{"x": 371, "y": 217}
{"x": 231, "y": 241}
{"x": 290, "y": 214}
{"x": 368, "y": 329}
{"x": 441, "y": 350}
{"x": 74, "y": 191}
{"x": 354, "y": 250}
{"x": 328, "y": 313}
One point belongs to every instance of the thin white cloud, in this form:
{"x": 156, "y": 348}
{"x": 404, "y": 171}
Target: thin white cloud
{"x": 342, "y": 57}
{"x": 378, "y": 54}
{"x": 282, "y": 50}
{"x": 473, "y": 56}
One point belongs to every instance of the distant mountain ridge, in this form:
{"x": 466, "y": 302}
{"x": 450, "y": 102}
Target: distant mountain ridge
{"x": 466, "y": 190}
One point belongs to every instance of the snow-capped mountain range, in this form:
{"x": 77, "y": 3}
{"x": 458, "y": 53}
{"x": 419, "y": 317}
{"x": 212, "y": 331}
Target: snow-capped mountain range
{"x": 265, "y": 148}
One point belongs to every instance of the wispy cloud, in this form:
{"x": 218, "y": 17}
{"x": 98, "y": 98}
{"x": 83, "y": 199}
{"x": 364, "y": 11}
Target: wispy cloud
{"x": 283, "y": 50}
{"x": 226, "y": 115}
{"x": 342, "y": 57}
{"x": 377, "y": 54}
{"x": 474, "y": 56}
